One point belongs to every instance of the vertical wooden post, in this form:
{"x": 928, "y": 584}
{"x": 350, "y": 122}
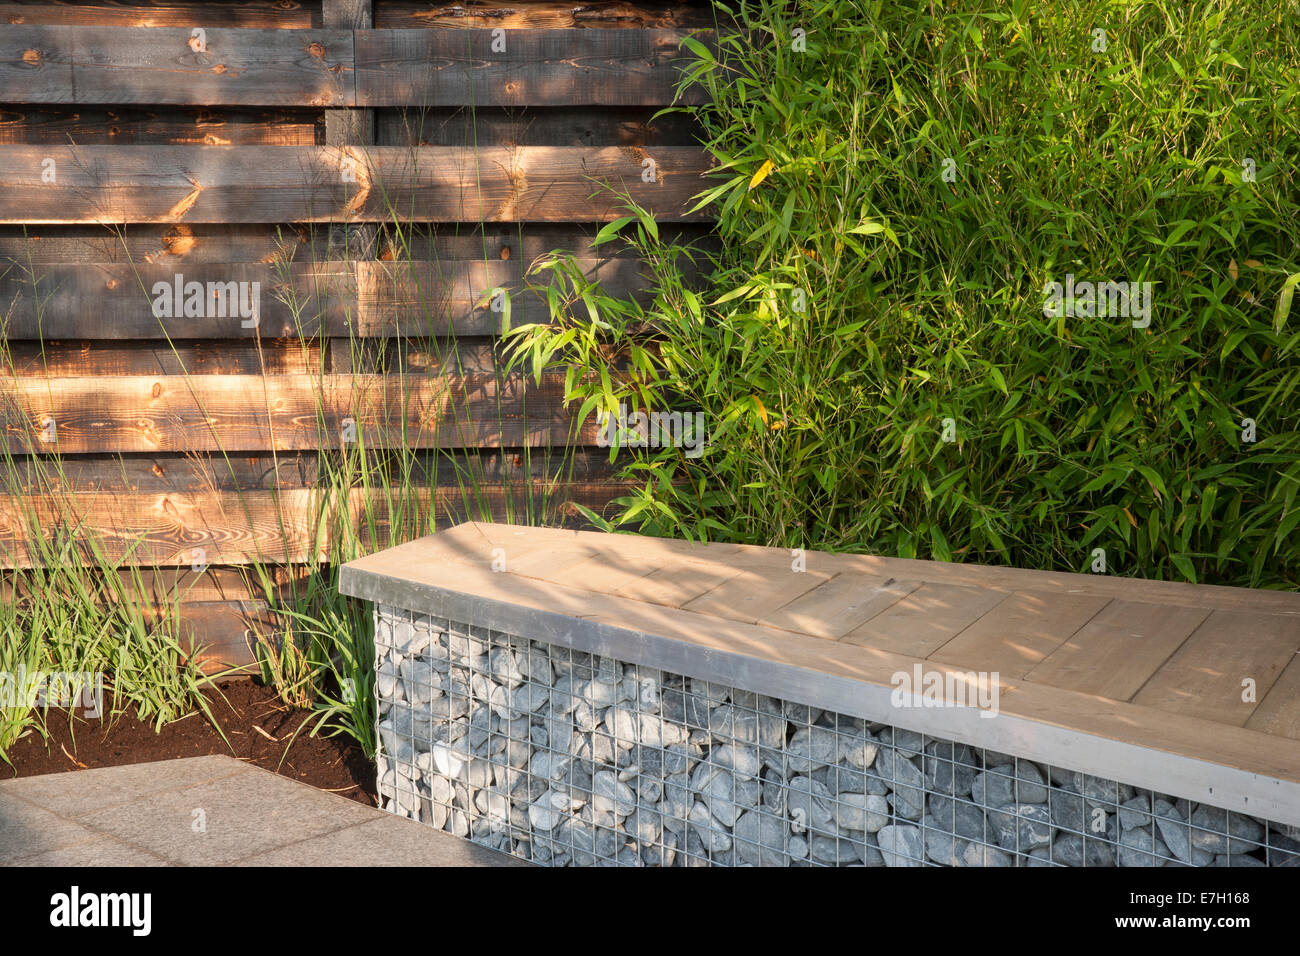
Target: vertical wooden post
{"x": 349, "y": 127}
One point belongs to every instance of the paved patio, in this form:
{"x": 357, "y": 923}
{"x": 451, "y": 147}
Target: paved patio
{"x": 209, "y": 811}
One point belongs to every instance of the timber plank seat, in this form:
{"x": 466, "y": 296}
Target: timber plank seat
{"x": 1126, "y": 679}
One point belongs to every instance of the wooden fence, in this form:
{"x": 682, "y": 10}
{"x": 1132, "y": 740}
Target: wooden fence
{"x": 161, "y": 160}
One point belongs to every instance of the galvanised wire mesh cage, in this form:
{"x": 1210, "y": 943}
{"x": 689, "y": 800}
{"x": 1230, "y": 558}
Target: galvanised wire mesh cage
{"x": 566, "y": 758}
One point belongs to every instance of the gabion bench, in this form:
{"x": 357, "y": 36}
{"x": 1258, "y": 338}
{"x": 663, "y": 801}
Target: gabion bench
{"x": 578, "y": 698}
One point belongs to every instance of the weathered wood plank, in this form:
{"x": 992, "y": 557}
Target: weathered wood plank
{"x": 1115, "y": 653}
{"x": 526, "y": 242}
{"x": 482, "y": 67}
{"x": 463, "y": 355}
{"x": 280, "y": 14}
{"x": 1206, "y": 677}
{"x": 234, "y": 413}
{"x": 543, "y": 14}
{"x": 350, "y": 127}
{"x": 445, "y": 298}
{"x": 242, "y": 184}
{"x": 216, "y": 66}
{"x": 284, "y": 300}
{"x": 1279, "y": 711}
{"x": 532, "y": 126}
{"x": 220, "y": 635}
{"x": 1019, "y": 632}
{"x": 158, "y": 474}
{"x": 129, "y": 126}
{"x": 24, "y": 245}
{"x": 190, "y": 301}
{"x": 174, "y": 66}
{"x": 925, "y": 620}
{"x": 751, "y": 596}
{"x": 677, "y": 581}
{"x": 158, "y": 587}
{"x": 840, "y": 605}
{"x": 178, "y": 529}
{"x": 61, "y": 359}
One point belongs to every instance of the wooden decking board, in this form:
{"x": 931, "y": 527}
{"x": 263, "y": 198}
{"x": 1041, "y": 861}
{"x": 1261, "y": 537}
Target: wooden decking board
{"x": 926, "y": 619}
{"x": 523, "y": 555}
{"x": 1204, "y": 676}
{"x": 1015, "y": 579}
{"x": 678, "y": 582}
{"x": 601, "y": 573}
{"x": 751, "y": 596}
{"x": 1278, "y": 712}
{"x": 543, "y": 560}
{"x": 839, "y": 605}
{"x": 630, "y": 549}
{"x": 1020, "y": 632}
{"x": 1115, "y": 653}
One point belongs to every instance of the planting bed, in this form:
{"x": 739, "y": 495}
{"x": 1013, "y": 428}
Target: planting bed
{"x": 332, "y": 764}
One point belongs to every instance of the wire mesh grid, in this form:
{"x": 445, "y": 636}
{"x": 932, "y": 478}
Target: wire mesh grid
{"x": 566, "y": 758}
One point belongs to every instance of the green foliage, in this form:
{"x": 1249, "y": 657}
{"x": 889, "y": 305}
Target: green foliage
{"x": 75, "y": 614}
{"x": 923, "y": 298}
{"x": 77, "y": 608}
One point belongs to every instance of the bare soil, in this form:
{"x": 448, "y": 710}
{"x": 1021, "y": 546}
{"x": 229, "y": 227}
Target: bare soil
{"x": 260, "y": 729}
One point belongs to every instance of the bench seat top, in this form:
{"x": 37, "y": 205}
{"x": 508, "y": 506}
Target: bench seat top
{"x": 1191, "y": 690}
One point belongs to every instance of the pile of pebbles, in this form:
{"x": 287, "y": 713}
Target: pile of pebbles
{"x": 565, "y": 758}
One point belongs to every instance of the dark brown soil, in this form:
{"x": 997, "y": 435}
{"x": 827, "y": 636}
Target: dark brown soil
{"x": 259, "y": 727}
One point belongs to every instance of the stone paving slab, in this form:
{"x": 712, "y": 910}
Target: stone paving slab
{"x": 209, "y": 811}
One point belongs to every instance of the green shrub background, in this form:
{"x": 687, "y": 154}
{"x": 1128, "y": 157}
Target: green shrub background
{"x": 924, "y": 299}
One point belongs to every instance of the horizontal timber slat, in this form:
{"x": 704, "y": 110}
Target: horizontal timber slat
{"x": 129, "y": 126}
{"x": 244, "y": 184}
{"x": 542, "y": 14}
{"x": 162, "y": 587}
{"x": 234, "y": 413}
{"x": 268, "y": 527}
{"x": 282, "y": 300}
{"x": 23, "y": 246}
{"x": 276, "y": 14}
{"x": 526, "y": 68}
{"x": 173, "y": 66}
{"x": 320, "y": 68}
{"x": 529, "y": 126}
{"x": 61, "y": 358}
{"x": 164, "y": 473}
{"x": 49, "y": 301}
